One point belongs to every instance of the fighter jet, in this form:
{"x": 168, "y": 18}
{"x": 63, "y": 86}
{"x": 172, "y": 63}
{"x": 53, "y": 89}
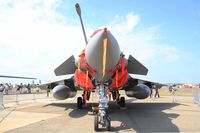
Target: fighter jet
{"x": 101, "y": 67}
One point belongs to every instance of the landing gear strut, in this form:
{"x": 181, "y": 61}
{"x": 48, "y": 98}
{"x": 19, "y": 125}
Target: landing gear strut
{"x": 102, "y": 117}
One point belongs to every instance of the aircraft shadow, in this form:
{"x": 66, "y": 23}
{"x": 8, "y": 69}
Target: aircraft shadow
{"x": 74, "y": 113}
{"x": 145, "y": 117}
{"x": 139, "y": 117}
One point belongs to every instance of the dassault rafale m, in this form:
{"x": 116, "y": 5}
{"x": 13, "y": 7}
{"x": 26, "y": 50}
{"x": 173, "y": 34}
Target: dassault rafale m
{"x": 101, "y": 67}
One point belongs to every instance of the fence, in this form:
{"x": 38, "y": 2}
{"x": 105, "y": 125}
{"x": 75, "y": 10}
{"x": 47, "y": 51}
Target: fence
{"x": 197, "y": 96}
{"x": 19, "y": 98}
{"x": 1, "y": 100}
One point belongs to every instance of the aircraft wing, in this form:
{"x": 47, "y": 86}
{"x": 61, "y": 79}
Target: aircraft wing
{"x": 150, "y": 84}
{"x": 67, "y": 67}
{"x": 135, "y": 67}
{"x": 50, "y": 85}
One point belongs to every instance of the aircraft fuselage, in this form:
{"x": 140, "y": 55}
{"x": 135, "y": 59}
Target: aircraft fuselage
{"x": 98, "y": 52}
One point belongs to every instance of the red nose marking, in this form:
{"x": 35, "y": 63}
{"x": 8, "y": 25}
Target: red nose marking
{"x": 105, "y": 29}
{"x": 95, "y": 32}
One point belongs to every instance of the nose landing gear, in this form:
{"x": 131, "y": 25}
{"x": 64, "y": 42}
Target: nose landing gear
{"x": 102, "y": 118}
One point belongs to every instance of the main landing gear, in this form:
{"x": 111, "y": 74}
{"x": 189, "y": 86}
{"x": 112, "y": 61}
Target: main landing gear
{"x": 120, "y": 100}
{"x": 79, "y": 102}
{"x": 82, "y": 100}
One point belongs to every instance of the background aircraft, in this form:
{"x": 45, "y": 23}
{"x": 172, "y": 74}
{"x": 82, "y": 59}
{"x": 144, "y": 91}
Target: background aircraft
{"x": 6, "y": 76}
{"x": 101, "y": 67}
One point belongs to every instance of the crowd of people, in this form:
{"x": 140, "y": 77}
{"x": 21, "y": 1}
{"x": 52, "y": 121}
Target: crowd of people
{"x": 155, "y": 92}
{"x": 6, "y": 88}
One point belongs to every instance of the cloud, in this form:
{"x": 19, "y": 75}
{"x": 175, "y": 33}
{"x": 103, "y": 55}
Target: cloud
{"x": 143, "y": 44}
{"x": 124, "y": 24}
{"x": 35, "y": 38}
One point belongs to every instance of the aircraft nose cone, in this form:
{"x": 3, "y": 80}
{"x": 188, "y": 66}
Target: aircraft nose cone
{"x": 101, "y": 57}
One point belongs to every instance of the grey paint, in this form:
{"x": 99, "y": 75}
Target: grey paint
{"x": 94, "y": 54}
{"x": 135, "y": 67}
{"x": 62, "y": 92}
{"x": 140, "y": 91}
{"x": 67, "y": 67}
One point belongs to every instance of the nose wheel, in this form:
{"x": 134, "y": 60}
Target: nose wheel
{"x": 105, "y": 121}
{"x": 96, "y": 122}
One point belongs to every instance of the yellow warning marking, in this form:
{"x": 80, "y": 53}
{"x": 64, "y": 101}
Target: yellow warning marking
{"x": 105, "y": 41}
{"x": 79, "y": 64}
{"x": 86, "y": 79}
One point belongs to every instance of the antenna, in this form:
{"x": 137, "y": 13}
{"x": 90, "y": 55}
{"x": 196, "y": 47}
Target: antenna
{"x": 78, "y": 10}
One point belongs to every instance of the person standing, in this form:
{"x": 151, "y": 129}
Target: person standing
{"x": 7, "y": 87}
{"x": 48, "y": 90}
{"x": 29, "y": 88}
{"x": 2, "y": 88}
{"x": 173, "y": 92}
{"x": 157, "y": 93}
{"x": 19, "y": 88}
{"x": 151, "y": 92}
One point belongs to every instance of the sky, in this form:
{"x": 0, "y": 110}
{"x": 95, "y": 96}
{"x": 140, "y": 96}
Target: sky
{"x": 37, "y": 36}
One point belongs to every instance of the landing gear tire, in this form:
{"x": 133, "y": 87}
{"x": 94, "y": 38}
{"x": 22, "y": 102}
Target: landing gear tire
{"x": 122, "y": 102}
{"x": 96, "y": 122}
{"x": 107, "y": 122}
{"x": 79, "y": 102}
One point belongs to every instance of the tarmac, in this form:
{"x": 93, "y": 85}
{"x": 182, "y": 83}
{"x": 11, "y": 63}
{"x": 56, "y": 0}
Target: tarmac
{"x": 149, "y": 115}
